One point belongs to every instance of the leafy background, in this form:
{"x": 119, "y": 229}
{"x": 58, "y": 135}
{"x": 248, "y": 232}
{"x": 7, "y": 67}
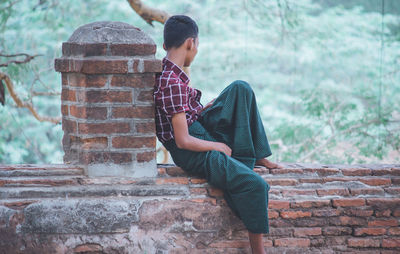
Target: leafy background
{"x": 326, "y": 72}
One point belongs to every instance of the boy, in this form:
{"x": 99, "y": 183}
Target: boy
{"x": 221, "y": 142}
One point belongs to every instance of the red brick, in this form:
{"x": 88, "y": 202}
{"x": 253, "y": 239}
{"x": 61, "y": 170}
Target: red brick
{"x": 106, "y": 128}
{"x": 281, "y": 181}
{"x": 273, "y": 214}
{"x": 109, "y": 66}
{"x": 393, "y": 190}
{"x": 366, "y": 191}
{"x": 19, "y": 205}
{"x": 383, "y": 213}
{"x": 356, "y": 171}
{"x": 90, "y": 143}
{"x": 376, "y": 181}
{"x": 383, "y": 202}
{"x": 369, "y": 231}
{"x": 310, "y": 222}
{"x": 96, "y": 113}
{"x": 84, "y": 49}
{"x": 321, "y": 171}
{"x": 68, "y": 94}
{"x": 273, "y": 231}
{"x": 133, "y": 112}
{"x": 297, "y": 242}
{"x": 145, "y": 156}
{"x": 325, "y": 213}
{"x": 336, "y": 230}
{"x": 96, "y": 96}
{"x": 307, "y": 231}
{"x": 363, "y": 242}
{"x": 64, "y": 110}
{"x": 339, "y": 179}
{"x": 294, "y": 214}
{"x": 395, "y": 180}
{"x": 347, "y": 220}
{"x": 91, "y": 247}
{"x": 198, "y": 180}
{"x": 152, "y": 65}
{"x": 395, "y": 171}
{"x": 381, "y": 171}
{"x": 90, "y": 81}
{"x": 278, "y": 204}
{"x": 145, "y": 95}
{"x": 348, "y": 202}
{"x": 69, "y": 126}
{"x": 132, "y": 49}
{"x": 329, "y": 192}
{"x": 136, "y": 80}
{"x": 383, "y": 222}
{"x": 215, "y": 192}
{"x": 310, "y": 180}
{"x": 359, "y": 212}
{"x": 173, "y": 180}
{"x": 391, "y": 243}
{"x": 280, "y": 171}
{"x": 133, "y": 142}
{"x": 296, "y": 192}
{"x": 309, "y": 203}
{"x": 198, "y": 191}
{"x": 394, "y": 231}
{"x": 147, "y": 127}
{"x": 176, "y": 171}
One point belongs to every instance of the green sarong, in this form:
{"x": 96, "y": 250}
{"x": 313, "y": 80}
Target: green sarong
{"x": 234, "y": 120}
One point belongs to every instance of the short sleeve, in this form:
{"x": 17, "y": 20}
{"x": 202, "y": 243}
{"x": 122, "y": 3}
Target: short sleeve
{"x": 174, "y": 98}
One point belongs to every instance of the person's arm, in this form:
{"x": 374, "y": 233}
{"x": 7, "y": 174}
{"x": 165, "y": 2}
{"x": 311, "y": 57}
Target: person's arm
{"x": 184, "y": 140}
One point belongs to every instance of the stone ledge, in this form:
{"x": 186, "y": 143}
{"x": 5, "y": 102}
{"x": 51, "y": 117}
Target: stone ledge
{"x": 313, "y": 208}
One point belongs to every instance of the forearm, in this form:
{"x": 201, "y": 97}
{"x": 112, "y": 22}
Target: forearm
{"x": 198, "y": 145}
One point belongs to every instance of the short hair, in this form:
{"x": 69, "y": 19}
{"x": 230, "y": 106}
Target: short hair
{"x": 177, "y": 29}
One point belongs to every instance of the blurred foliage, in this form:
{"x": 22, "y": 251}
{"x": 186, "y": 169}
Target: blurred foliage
{"x": 326, "y": 73}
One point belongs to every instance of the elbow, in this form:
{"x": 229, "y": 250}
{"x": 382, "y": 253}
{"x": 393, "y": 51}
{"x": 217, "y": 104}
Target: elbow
{"x": 181, "y": 143}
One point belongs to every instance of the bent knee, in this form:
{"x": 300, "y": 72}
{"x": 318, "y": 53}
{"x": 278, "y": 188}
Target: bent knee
{"x": 241, "y": 85}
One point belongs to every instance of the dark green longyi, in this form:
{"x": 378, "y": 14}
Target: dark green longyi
{"x": 234, "y": 120}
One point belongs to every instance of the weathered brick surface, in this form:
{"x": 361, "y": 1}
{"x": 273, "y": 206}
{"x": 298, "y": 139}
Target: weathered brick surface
{"x": 192, "y": 211}
{"x": 108, "y": 72}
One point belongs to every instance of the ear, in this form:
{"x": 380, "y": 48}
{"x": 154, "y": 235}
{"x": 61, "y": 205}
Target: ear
{"x": 189, "y": 43}
{"x": 164, "y": 47}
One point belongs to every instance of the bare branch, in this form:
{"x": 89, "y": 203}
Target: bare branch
{"x": 147, "y": 13}
{"x": 27, "y": 59}
{"x": 28, "y": 105}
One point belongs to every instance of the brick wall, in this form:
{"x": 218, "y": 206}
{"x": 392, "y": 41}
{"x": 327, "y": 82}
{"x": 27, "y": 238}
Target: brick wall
{"x": 312, "y": 209}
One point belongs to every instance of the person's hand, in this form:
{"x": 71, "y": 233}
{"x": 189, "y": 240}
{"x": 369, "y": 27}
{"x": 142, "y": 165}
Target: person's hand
{"x": 219, "y": 146}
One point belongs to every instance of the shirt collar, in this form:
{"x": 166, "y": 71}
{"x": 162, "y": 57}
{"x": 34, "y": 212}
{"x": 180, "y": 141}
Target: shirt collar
{"x": 176, "y": 69}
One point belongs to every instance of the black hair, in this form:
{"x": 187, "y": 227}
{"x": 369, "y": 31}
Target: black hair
{"x": 177, "y": 29}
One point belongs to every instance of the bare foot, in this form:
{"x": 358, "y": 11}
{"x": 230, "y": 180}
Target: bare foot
{"x": 268, "y": 164}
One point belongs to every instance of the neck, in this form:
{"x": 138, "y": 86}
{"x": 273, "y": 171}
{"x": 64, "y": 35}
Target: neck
{"x": 177, "y": 57}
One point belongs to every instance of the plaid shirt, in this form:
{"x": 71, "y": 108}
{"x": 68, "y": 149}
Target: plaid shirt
{"x": 173, "y": 95}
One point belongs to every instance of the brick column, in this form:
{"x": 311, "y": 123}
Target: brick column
{"x": 108, "y": 74}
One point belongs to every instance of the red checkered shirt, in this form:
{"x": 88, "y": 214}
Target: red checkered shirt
{"x": 173, "y": 95}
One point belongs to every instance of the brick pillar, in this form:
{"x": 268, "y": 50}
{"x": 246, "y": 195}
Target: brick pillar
{"x": 108, "y": 73}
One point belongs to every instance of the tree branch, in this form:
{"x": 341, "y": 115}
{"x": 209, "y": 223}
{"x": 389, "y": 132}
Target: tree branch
{"x": 27, "y": 105}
